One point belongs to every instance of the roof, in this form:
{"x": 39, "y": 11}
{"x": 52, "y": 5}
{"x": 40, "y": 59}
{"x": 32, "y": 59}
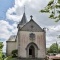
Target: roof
{"x": 55, "y": 57}
{"x": 12, "y": 38}
{"x": 23, "y": 20}
{"x": 31, "y": 26}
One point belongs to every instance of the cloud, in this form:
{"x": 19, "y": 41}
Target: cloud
{"x": 20, "y": 2}
{"x": 14, "y": 31}
{"x": 6, "y": 29}
{"x": 32, "y": 6}
{"x": 52, "y": 34}
{"x": 4, "y": 47}
{"x": 54, "y": 30}
{"x": 4, "y": 26}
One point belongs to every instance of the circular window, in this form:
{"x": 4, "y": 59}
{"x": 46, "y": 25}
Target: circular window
{"x": 32, "y": 36}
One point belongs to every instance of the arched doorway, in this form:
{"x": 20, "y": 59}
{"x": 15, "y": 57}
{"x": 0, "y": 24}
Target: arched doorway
{"x": 31, "y": 52}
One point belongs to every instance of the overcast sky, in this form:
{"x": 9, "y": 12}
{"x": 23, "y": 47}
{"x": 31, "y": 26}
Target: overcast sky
{"x": 11, "y": 12}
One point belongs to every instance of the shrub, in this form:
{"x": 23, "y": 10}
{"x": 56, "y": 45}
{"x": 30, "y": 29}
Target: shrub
{"x": 14, "y": 53}
{"x": 9, "y": 57}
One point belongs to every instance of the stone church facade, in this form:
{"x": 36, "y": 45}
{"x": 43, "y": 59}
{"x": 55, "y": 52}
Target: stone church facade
{"x": 30, "y": 40}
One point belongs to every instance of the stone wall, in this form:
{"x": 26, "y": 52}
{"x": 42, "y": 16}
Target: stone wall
{"x": 10, "y": 46}
{"x": 23, "y": 41}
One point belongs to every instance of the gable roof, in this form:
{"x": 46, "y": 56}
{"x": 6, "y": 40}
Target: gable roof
{"x": 31, "y": 26}
{"x": 12, "y": 38}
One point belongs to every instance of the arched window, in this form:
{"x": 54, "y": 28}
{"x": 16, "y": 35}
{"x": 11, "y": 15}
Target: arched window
{"x": 32, "y": 36}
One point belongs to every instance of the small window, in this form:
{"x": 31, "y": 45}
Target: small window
{"x": 32, "y": 36}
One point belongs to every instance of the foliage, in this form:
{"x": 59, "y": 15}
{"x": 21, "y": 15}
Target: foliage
{"x": 1, "y": 45}
{"x": 59, "y": 50}
{"x": 10, "y": 58}
{"x": 14, "y": 53}
{"x": 53, "y": 8}
{"x": 53, "y": 48}
{"x": 59, "y": 1}
{"x": 1, "y": 54}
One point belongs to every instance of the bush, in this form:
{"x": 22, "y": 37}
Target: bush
{"x": 9, "y": 57}
{"x": 14, "y": 53}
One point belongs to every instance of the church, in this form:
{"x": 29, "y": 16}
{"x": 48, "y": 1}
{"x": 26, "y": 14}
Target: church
{"x": 30, "y": 40}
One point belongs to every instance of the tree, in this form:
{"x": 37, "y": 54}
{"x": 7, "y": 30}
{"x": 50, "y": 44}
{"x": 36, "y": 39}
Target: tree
{"x": 59, "y": 50}
{"x": 53, "y": 8}
{"x": 1, "y": 54}
{"x": 1, "y": 45}
{"x": 53, "y": 48}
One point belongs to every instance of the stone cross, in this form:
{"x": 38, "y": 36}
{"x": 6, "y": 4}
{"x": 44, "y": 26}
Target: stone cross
{"x": 31, "y": 16}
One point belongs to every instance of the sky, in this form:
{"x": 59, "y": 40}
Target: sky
{"x": 11, "y": 12}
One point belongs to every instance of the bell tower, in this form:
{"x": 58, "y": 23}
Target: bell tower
{"x": 23, "y": 20}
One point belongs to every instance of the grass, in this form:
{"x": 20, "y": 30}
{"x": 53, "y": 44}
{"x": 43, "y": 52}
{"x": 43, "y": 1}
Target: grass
{"x": 10, "y": 58}
{"x": 0, "y": 54}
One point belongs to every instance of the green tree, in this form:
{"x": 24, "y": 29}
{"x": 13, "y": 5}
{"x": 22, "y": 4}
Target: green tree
{"x": 53, "y": 48}
{"x": 1, "y": 45}
{"x": 59, "y": 50}
{"x": 1, "y": 54}
{"x": 53, "y": 8}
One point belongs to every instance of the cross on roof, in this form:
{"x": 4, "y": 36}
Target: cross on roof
{"x": 31, "y": 16}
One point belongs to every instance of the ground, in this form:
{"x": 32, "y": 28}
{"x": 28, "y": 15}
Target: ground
{"x": 10, "y": 58}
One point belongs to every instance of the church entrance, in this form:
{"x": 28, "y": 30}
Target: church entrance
{"x": 31, "y": 52}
